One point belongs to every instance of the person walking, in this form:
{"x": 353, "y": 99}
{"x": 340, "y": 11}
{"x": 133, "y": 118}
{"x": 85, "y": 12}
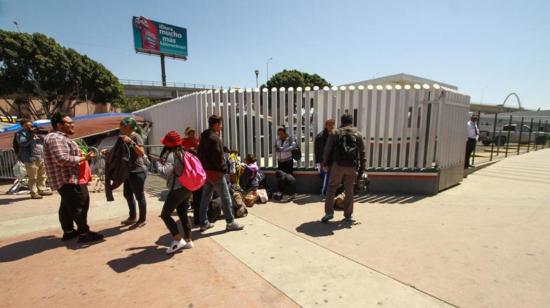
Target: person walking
{"x": 319, "y": 149}
{"x": 62, "y": 159}
{"x": 191, "y": 143}
{"x": 30, "y": 144}
{"x": 134, "y": 186}
{"x": 473, "y": 135}
{"x": 345, "y": 148}
{"x": 170, "y": 166}
{"x": 211, "y": 155}
{"x": 283, "y": 151}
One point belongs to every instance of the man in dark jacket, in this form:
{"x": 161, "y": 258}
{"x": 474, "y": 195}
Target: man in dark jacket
{"x": 320, "y": 142}
{"x": 346, "y": 150}
{"x": 211, "y": 155}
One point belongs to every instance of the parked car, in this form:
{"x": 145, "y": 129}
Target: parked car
{"x": 511, "y": 133}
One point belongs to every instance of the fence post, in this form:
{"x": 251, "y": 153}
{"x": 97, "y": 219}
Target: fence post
{"x": 258, "y": 123}
{"x": 537, "y": 135}
{"x": 493, "y": 139}
{"x": 530, "y": 131}
{"x": 520, "y": 131}
{"x": 508, "y": 138}
{"x": 267, "y": 146}
{"x": 546, "y": 131}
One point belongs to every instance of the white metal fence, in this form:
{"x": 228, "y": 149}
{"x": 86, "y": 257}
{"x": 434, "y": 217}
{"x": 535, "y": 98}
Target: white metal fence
{"x": 8, "y": 158}
{"x": 411, "y": 126}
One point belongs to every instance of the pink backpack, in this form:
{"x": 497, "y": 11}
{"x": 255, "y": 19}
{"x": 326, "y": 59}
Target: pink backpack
{"x": 193, "y": 175}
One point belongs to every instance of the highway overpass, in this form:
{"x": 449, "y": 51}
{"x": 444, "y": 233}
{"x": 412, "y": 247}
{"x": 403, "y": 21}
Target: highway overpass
{"x": 155, "y": 90}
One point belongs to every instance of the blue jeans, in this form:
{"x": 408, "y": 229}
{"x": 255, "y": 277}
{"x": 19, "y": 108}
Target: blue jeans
{"x": 325, "y": 177}
{"x": 220, "y": 186}
{"x": 135, "y": 186}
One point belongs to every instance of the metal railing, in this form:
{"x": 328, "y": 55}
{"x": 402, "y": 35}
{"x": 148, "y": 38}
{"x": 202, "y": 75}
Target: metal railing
{"x": 8, "y": 158}
{"x": 199, "y": 86}
{"x": 502, "y": 135}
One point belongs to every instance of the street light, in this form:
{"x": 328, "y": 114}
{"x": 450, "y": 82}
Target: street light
{"x": 267, "y": 68}
{"x": 257, "y": 72}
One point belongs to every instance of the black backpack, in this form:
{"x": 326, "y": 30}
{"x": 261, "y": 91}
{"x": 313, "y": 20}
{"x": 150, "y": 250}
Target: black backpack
{"x": 347, "y": 149}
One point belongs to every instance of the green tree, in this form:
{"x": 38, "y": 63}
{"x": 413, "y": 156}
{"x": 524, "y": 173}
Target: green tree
{"x": 131, "y": 104}
{"x": 36, "y": 67}
{"x": 295, "y": 78}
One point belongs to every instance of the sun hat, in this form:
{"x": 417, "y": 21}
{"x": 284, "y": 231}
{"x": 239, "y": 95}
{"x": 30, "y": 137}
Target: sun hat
{"x": 171, "y": 139}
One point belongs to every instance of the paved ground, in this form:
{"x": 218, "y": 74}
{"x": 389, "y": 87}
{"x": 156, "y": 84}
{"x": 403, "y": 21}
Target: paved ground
{"x": 483, "y": 243}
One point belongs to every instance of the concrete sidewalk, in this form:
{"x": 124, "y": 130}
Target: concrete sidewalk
{"x": 481, "y": 244}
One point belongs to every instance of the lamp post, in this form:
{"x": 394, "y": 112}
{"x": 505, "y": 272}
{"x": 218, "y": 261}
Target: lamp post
{"x": 267, "y": 68}
{"x": 257, "y": 72}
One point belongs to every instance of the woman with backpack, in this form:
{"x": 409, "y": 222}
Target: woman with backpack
{"x": 170, "y": 167}
{"x": 284, "y": 145}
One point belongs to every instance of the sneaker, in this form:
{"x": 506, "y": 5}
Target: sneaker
{"x": 175, "y": 246}
{"x": 234, "y": 226}
{"x": 45, "y": 193}
{"x": 327, "y": 217}
{"x": 138, "y": 224}
{"x": 90, "y": 237}
{"x": 128, "y": 221}
{"x": 36, "y": 196}
{"x": 67, "y": 236}
{"x": 206, "y": 227}
{"x": 189, "y": 245}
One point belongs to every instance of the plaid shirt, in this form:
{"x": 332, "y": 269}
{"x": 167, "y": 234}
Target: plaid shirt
{"x": 61, "y": 158}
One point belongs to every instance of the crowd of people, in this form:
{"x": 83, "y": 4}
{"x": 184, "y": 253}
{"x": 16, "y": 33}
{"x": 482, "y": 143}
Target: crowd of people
{"x": 339, "y": 156}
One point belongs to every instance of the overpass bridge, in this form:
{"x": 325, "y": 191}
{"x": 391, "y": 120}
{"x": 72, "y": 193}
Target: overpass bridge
{"x": 155, "y": 89}
{"x": 488, "y": 108}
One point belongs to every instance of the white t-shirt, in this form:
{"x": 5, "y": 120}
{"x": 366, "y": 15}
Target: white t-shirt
{"x": 473, "y": 130}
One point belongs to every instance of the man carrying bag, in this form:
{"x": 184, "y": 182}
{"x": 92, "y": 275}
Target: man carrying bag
{"x": 345, "y": 149}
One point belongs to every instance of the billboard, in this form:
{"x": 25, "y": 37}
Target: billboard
{"x": 154, "y": 37}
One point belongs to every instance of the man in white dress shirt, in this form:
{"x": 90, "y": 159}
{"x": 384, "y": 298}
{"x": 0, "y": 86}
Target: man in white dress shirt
{"x": 473, "y": 135}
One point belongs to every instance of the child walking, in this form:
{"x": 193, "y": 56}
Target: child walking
{"x": 170, "y": 167}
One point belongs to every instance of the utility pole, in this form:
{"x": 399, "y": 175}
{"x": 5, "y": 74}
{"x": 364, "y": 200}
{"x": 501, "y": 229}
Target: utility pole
{"x": 163, "y": 70}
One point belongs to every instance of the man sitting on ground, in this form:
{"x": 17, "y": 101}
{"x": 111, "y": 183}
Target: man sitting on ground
{"x": 286, "y": 184}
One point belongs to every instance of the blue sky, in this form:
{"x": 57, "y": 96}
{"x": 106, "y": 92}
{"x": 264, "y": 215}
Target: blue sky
{"x": 487, "y": 48}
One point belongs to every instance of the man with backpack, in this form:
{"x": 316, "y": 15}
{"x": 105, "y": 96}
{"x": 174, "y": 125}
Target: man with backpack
{"x": 211, "y": 155}
{"x": 29, "y": 145}
{"x": 345, "y": 154}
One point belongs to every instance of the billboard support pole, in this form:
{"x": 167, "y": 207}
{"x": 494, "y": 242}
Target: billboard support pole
{"x": 163, "y": 70}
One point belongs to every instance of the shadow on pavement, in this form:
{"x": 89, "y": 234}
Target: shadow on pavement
{"x": 368, "y": 198}
{"x": 20, "y": 250}
{"x": 388, "y": 198}
{"x": 305, "y": 199}
{"x": 13, "y": 201}
{"x": 318, "y": 229}
{"x": 143, "y": 255}
{"x": 23, "y": 249}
